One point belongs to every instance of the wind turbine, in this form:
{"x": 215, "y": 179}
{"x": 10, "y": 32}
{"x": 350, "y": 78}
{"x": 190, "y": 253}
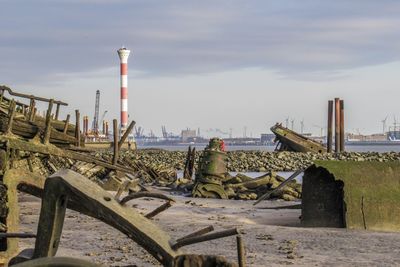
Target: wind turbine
{"x": 384, "y": 124}
{"x": 302, "y": 126}
{"x": 321, "y": 128}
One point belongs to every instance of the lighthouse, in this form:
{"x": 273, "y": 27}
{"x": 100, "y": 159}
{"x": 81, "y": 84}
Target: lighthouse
{"x": 123, "y": 54}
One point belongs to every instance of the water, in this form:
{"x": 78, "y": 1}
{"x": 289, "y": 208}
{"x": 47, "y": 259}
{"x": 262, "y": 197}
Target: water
{"x": 285, "y": 175}
{"x": 352, "y": 148}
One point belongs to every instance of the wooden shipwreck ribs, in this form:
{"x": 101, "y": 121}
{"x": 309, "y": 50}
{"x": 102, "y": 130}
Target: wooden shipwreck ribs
{"x": 26, "y": 136}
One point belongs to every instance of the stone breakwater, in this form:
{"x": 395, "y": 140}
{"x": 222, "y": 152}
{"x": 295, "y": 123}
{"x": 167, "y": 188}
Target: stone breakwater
{"x": 256, "y": 161}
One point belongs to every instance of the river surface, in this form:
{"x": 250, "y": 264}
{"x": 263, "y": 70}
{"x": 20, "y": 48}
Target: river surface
{"x": 350, "y": 148}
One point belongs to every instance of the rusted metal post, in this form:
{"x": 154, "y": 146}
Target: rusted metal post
{"x": 66, "y": 124}
{"x": 115, "y": 156}
{"x": 197, "y": 233}
{"x": 330, "y": 120}
{"x": 57, "y": 111}
{"x": 11, "y": 114}
{"x": 204, "y": 238}
{"x": 158, "y": 210}
{"x": 241, "y": 251}
{"x": 337, "y": 125}
{"x": 47, "y": 131}
{"x": 341, "y": 125}
{"x": 77, "y": 128}
{"x": 126, "y": 134}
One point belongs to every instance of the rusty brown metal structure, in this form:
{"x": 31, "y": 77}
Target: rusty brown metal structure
{"x": 337, "y": 125}
{"x": 329, "y": 133}
{"x": 342, "y": 137}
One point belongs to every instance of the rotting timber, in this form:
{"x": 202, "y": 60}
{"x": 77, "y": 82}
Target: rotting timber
{"x": 67, "y": 189}
{"x": 26, "y": 139}
{"x": 288, "y": 140}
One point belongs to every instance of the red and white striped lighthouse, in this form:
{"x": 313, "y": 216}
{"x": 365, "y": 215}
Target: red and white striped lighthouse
{"x": 123, "y": 54}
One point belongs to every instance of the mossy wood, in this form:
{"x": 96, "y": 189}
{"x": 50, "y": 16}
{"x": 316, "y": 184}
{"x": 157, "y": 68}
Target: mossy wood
{"x": 291, "y": 141}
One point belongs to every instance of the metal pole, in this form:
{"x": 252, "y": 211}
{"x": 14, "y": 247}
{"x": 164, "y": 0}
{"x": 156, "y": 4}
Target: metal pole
{"x": 341, "y": 125}
{"x": 330, "y": 120}
{"x": 198, "y": 233}
{"x": 337, "y": 125}
{"x": 241, "y": 251}
{"x": 203, "y": 238}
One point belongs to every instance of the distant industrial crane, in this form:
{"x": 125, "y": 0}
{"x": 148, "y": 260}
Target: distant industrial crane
{"x": 95, "y": 125}
{"x": 139, "y": 132}
{"x": 292, "y": 123}
{"x": 164, "y": 132}
{"x": 102, "y": 116}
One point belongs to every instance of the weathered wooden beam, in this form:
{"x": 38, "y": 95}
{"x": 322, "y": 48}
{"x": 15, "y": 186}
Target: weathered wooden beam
{"x": 47, "y": 131}
{"x": 31, "y": 110}
{"x": 77, "y": 128}
{"x": 11, "y": 114}
{"x": 115, "y": 145}
{"x": 55, "y": 151}
{"x": 11, "y": 92}
{"x": 66, "y": 124}
{"x": 57, "y": 111}
{"x": 126, "y": 134}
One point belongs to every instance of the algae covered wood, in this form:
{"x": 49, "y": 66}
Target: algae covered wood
{"x": 291, "y": 141}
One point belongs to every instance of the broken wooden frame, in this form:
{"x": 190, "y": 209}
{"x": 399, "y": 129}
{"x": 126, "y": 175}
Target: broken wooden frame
{"x": 289, "y": 140}
{"x": 67, "y": 189}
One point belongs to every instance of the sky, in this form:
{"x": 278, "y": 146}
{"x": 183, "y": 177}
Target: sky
{"x": 209, "y": 64}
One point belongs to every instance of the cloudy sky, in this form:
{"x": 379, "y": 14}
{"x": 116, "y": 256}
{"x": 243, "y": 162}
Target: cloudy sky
{"x": 209, "y": 64}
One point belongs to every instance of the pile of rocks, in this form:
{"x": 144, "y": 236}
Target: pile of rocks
{"x": 257, "y": 161}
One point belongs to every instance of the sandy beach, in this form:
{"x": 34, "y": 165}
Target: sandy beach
{"x": 272, "y": 237}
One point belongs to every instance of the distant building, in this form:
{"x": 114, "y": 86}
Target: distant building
{"x": 187, "y": 135}
{"x": 267, "y": 139}
{"x": 367, "y": 138}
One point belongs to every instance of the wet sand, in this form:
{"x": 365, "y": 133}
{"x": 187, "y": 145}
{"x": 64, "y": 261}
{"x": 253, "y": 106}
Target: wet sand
{"x": 272, "y": 237}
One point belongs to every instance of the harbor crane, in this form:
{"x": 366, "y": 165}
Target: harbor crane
{"x": 95, "y": 125}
